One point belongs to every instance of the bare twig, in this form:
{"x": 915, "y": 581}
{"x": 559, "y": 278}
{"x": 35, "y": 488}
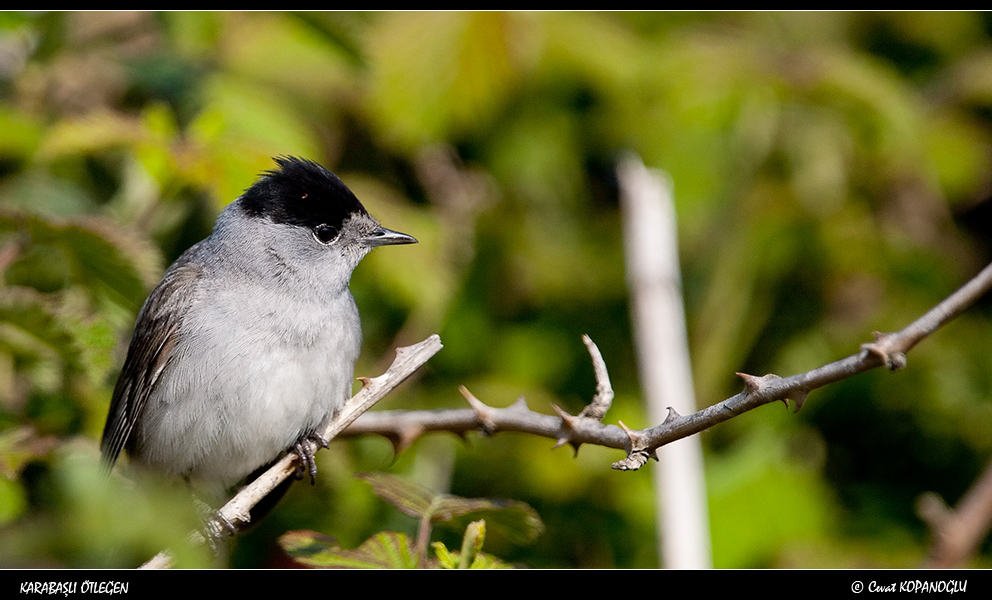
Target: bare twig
{"x": 887, "y": 349}
{"x": 604, "y": 390}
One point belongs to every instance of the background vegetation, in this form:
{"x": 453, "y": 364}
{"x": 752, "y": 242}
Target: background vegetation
{"x": 832, "y": 177}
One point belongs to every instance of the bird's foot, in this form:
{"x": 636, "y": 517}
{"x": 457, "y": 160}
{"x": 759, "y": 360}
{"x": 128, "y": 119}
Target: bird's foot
{"x": 215, "y": 527}
{"x": 305, "y": 453}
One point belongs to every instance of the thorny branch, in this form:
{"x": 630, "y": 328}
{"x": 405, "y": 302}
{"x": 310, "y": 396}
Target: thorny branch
{"x": 402, "y": 427}
{"x": 888, "y": 349}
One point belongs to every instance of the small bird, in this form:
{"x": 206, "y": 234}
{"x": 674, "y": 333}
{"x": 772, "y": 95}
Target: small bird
{"x": 248, "y": 345}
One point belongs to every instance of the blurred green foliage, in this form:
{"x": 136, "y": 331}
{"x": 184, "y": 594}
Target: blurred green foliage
{"x": 392, "y": 550}
{"x": 831, "y": 173}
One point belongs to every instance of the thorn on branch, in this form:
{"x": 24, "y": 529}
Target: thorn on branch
{"x": 754, "y": 385}
{"x": 562, "y": 441}
{"x": 882, "y": 349}
{"x": 568, "y": 423}
{"x": 405, "y": 438}
{"x": 672, "y": 416}
{"x": 798, "y": 397}
{"x": 486, "y": 424}
{"x": 758, "y": 385}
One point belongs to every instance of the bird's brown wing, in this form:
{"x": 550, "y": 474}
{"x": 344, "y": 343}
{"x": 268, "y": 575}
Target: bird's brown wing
{"x": 155, "y": 335}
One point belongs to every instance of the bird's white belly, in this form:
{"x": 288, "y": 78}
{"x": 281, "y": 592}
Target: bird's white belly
{"x": 233, "y": 401}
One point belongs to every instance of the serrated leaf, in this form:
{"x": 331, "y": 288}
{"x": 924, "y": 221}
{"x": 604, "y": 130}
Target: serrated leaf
{"x": 28, "y": 312}
{"x": 452, "y": 560}
{"x": 488, "y": 561}
{"x": 38, "y": 327}
{"x": 445, "y": 558}
{"x": 410, "y": 498}
{"x": 449, "y": 507}
{"x": 515, "y": 519}
{"x": 385, "y": 550}
{"x": 90, "y": 253}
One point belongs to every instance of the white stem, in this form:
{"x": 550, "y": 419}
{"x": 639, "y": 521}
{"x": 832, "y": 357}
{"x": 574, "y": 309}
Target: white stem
{"x": 653, "y": 276}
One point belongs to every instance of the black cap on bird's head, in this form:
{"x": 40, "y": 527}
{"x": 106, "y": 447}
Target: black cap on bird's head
{"x": 303, "y": 193}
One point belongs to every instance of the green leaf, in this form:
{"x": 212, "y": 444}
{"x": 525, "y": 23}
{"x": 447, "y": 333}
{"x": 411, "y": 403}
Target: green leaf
{"x": 446, "y": 559}
{"x": 518, "y": 520}
{"x": 90, "y": 253}
{"x": 385, "y": 550}
{"x": 31, "y": 327}
{"x": 38, "y": 329}
{"x": 410, "y": 498}
{"x": 488, "y": 561}
{"x": 471, "y": 556}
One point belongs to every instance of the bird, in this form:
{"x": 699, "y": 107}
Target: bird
{"x": 247, "y": 346}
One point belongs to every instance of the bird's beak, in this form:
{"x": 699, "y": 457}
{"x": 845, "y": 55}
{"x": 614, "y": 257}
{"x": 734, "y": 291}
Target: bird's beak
{"x": 387, "y": 237}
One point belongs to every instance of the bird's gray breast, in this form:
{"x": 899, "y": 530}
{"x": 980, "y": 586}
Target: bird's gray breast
{"x": 256, "y": 366}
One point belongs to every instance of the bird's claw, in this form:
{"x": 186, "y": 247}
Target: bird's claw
{"x": 215, "y": 526}
{"x": 305, "y": 453}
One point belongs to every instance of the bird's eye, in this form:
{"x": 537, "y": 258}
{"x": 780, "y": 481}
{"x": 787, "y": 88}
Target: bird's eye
{"x": 324, "y": 233}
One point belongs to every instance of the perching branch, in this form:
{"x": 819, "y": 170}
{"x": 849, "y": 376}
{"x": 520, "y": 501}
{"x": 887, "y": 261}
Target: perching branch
{"x": 888, "y": 349}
